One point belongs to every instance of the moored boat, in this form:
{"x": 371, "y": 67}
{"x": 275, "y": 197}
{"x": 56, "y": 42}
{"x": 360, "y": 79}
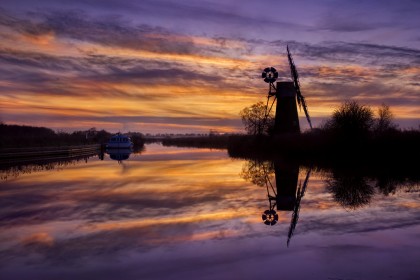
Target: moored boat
{"x": 119, "y": 141}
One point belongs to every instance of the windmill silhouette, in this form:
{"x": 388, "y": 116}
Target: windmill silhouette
{"x": 286, "y": 94}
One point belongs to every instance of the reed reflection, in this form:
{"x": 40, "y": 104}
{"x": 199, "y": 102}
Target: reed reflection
{"x": 13, "y": 169}
{"x": 284, "y": 193}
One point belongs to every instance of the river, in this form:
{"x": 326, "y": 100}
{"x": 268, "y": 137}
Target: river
{"x": 184, "y": 213}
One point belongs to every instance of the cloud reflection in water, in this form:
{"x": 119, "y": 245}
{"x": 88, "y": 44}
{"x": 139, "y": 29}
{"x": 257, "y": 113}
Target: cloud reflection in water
{"x": 187, "y": 213}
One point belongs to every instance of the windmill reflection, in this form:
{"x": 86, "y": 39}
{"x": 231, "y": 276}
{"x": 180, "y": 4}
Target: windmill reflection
{"x": 286, "y": 195}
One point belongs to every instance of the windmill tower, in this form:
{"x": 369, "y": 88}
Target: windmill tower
{"x": 286, "y": 94}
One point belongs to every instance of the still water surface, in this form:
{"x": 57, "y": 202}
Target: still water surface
{"x": 173, "y": 213}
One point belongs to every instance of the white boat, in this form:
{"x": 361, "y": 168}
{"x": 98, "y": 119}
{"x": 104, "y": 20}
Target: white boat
{"x": 119, "y": 141}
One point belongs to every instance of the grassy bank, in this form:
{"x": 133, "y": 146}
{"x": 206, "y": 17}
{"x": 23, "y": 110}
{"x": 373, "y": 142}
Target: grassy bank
{"x": 211, "y": 142}
{"x": 394, "y": 147}
{"x": 322, "y": 145}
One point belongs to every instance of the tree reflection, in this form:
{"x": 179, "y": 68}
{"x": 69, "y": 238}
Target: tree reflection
{"x": 350, "y": 190}
{"x": 388, "y": 184}
{"x": 259, "y": 173}
{"x": 351, "y": 186}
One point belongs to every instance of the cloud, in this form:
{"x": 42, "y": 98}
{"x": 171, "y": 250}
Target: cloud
{"x": 38, "y": 239}
{"x": 110, "y": 31}
{"x": 87, "y": 55}
{"x": 360, "y": 53}
{"x": 49, "y": 73}
{"x": 346, "y": 25}
{"x": 142, "y": 75}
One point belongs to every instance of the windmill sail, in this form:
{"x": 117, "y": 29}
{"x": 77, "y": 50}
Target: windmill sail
{"x": 295, "y": 77}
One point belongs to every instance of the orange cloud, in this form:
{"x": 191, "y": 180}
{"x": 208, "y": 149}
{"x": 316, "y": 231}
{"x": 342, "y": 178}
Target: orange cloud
{"x": 41, "y": 238}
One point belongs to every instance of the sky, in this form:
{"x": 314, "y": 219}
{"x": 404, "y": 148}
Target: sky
{"x": 166, "y": 66}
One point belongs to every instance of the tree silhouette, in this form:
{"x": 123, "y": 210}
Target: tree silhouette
{"x": 351, "y": 120}
{"x": 384, "y": 122}
{"x": 255, "y": 120}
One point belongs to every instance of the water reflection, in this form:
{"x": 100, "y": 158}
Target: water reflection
{"x": 355, "y": 187}
{"x": 189, "y": 209}
{"x": 350, "y": 190}
{"x": 13, "y": 169}
{"x": 119, "y": 154}
{"x": 281, "y": 183}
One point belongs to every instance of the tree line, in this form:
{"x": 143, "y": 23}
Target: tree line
{"x": 20, "y": 136}
{"x": 352, "y": 133}
{"x": 349, "y": 119}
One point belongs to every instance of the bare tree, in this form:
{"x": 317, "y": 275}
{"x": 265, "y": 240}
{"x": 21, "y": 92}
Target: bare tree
{"x": 385, "y": 119}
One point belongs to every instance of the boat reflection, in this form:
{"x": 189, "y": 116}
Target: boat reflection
{"x": 119, "y": 154}
{"x": 283, "y": 191}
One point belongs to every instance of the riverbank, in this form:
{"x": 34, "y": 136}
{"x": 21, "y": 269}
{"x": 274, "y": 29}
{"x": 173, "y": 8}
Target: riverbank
{"x": 9, "y": 156}
{"x": 395, "y": 147}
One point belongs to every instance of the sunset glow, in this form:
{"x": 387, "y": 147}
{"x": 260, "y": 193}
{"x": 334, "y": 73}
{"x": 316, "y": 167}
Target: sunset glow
{"x": 78, "y": 65}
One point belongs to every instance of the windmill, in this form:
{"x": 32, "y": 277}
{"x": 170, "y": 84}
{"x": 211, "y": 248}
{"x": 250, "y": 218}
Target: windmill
{"x": 300, "y": 98}
{"x": 286, "y": 94}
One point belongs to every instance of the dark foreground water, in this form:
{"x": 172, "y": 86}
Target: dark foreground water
{"x": 172, "y": 213}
